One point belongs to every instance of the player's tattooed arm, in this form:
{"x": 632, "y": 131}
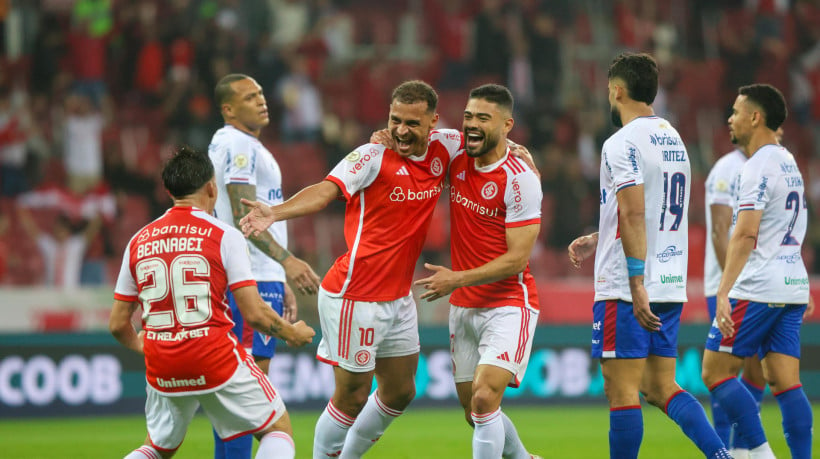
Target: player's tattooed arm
{"x": 298, "y": 272}
{"x": 263, "y": 241}
{"x": 261, "y": 317}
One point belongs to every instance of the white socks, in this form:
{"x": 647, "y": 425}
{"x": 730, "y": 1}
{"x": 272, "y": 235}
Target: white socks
{"x": 143, "y": 452}
{"x": 276, "y": 445}
{"x": 763, "y": 451}
{"x": 488, "y": 436}
{"x": 513, "y": 447}
{"x": 330, "y": 433}
{"x": 368, "y": 428}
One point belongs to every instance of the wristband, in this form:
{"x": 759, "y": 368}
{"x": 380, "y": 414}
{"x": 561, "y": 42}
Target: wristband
{"x": 634, "y": 266}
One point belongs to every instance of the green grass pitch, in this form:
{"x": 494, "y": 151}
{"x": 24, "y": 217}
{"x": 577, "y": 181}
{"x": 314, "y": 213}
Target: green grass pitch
{"x": 565, "y": 431}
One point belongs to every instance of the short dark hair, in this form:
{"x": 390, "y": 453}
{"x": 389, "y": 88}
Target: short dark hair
{"x": 223, "y": 90}
{"x": 640, "y": 73}
{"x": 494, "y": 93}
{"x": 770, "y": 100}
{"x": 414, "y": 91}
{"x": 187, "y": 171}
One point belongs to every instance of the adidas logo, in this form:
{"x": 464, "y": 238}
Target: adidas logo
{"x": 402, "y": 171}
{"x": 460, "y": 175}
{"x": 504, "y": 357}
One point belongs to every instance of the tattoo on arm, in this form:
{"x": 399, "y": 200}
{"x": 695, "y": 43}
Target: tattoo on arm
{"x": 264, "y": 241}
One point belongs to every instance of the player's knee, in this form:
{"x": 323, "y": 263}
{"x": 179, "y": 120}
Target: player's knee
{"x": 351, "y": 402}
{"x": 485, "y": 400}
{"x": 654, "y": 396}
{"x": 398, "y": 396}
{"x": 711, "y": 375}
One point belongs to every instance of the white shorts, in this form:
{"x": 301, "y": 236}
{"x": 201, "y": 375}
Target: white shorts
{"x": 356, "y": 333}
{"x": 501, "y": 337}
{"x": 245, "y": 404}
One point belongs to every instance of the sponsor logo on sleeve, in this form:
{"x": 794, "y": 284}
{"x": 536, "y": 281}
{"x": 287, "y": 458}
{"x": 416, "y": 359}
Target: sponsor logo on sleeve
{"x": 353, "y": 156}
{"x": 762, "y": 188}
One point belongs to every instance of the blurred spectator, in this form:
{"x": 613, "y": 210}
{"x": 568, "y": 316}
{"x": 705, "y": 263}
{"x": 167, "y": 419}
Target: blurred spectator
{"x": 63, "y": 249}
{"x": 91, "y": 23}
{"x": 301, "y": 104}
{"x": 450, "y": 22}
{"x": 490, "y": 47}
{"x": 48, "y": 55}
{"x": 14, "y": 124}
{"x": 82, "y": 135}
{"x": 150, "y": 69}
{"x": 290, "y": 22}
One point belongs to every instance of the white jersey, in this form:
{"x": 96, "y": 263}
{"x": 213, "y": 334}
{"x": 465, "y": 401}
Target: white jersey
{"x": 647, "y": 151}
{"x": 721, "y": 189}
{"x": 775, "y": 273}
{"x": 240, "y": 158}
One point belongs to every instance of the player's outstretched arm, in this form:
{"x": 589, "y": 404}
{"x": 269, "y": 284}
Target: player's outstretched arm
{"x": 307, "y": 201}
{"x": 582, "y": 248}
{"x": 119, "y": 324}
{"x": 261, "y": 317}
{"x": 299, "y": 273}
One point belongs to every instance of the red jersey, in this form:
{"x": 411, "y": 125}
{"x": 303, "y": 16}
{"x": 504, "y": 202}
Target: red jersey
{"x": 484, "y": 202}
{"x": 390, "y": 201}
{"x": 179, "y": 268}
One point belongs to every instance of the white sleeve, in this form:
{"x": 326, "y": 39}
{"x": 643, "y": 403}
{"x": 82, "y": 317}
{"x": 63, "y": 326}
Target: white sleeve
{"x": 452, "y": 139}
{"x": 240, "y": 161}
{"x": 625, "y": 164}
{"x": 359, "y": 168}
{"x": 235, "y": 257}
{"x": 126, "y": 285}
{"x": 755, "y": 185}
{"x": 719, "y": 185}
{"x": 523, "y": 198}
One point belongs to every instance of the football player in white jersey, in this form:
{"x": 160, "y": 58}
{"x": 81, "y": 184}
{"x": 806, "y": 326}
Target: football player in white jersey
{"x": 640, "y": 267}
{"x": 246, "y": 169}
{"x": 764, "y": 290}
{"x": 719, "y": 200}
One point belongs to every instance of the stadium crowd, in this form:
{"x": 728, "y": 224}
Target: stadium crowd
{"x": 94, "y": 94}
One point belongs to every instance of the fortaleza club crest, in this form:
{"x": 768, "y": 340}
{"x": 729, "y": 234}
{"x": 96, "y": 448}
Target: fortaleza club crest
{"x": 489, "y": 190}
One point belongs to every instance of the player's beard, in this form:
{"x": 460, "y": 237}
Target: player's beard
{"x": 489, "y": 143}
{"x": 615, "y": 115}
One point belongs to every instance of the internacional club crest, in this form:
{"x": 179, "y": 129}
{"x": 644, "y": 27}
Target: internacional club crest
{"x": 362, "y": 357}
{"x": 436, "y": 167}
{"x": 489, "y": 190}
